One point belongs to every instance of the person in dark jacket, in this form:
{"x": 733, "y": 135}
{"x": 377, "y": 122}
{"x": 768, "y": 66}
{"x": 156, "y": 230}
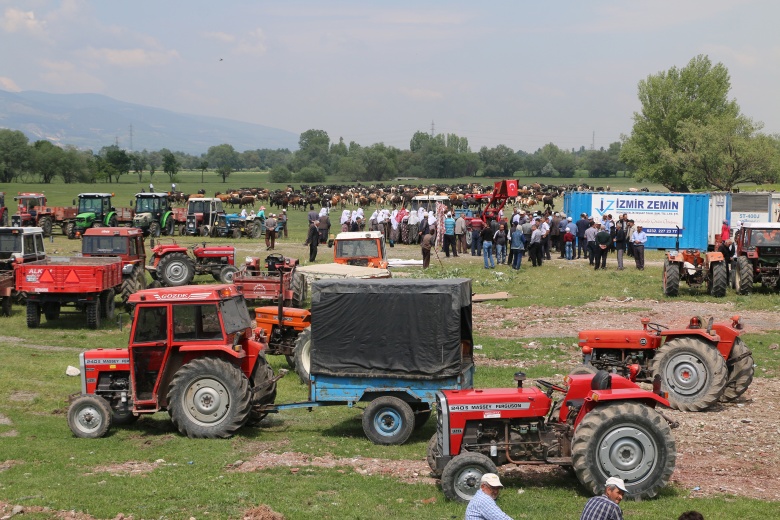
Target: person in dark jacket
{"x": 620, "y": 243}
{"x": 313, "y": 240}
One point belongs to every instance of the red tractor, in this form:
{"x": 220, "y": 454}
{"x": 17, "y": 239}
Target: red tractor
{"x": 33, "y": 211}
{"x": 698, "y": 365}
{"x": 758, "y": 257}
{"x": 173, "y": 265}
{"x": 601, "y": 426}
{"x": 695, "y": 270}
{"x": 193, "y": 351}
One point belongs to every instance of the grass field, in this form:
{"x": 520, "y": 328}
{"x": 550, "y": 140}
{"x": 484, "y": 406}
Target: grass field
{"x": 150, "y": 471}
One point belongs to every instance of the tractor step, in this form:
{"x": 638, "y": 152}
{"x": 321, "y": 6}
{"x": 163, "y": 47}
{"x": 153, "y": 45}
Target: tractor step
{"x": 560, "y": 461}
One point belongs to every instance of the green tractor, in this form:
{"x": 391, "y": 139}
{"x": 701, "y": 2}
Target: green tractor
{"x": 95, "y": 210}
{"x": 154, "y": 215}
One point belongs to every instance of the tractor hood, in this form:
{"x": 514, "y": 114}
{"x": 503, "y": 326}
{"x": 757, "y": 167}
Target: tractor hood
{"x": 614, "y": 338}
{"x": 142, "y": 220}
{"x": 83, "y": 218}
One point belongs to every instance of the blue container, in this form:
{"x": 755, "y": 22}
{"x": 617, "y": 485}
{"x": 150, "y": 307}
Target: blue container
{"x": 659, "y": 213}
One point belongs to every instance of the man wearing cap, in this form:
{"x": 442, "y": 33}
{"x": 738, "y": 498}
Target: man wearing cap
{"x": 283, "y": 221}
{"x": 638, "y": 239}
{"x": 606, "y": 506}
{"x": 482, "y": 505}
{"x": 270, "y": 232}
{"x": 449, "y": 236}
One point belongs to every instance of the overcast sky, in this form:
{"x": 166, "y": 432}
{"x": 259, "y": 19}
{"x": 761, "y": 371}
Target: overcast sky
{"x": 518, "y": 73}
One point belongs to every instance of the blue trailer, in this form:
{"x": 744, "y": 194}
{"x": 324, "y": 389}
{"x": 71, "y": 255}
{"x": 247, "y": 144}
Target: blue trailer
{"x": 389, "y": 343}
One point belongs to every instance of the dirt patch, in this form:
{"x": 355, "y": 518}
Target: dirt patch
{"x": 262, "y": 512}
{"x": 21, "y": 342}
{"x": 5, "y": 420}
{"x": 128, "y": 468}
{"x": 22, "y": 397}
{"x": 7, "y": 464}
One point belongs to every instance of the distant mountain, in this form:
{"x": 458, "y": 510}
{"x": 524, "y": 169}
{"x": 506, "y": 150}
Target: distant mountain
{"x": 91, "y": 121}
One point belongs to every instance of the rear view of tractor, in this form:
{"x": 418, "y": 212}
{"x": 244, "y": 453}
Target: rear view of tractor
{"x": 758, "y": 257}
{"x": 691, "y": 267}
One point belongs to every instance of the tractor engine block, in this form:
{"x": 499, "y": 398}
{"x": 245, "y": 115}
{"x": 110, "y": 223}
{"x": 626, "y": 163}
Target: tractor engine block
{"x": 528, "y": 439}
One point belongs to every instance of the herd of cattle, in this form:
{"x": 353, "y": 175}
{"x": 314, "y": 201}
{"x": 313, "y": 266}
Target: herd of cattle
{"x": 335, "y": 195}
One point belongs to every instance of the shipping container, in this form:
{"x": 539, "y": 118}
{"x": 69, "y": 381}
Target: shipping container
{"x": 720, "y": 209}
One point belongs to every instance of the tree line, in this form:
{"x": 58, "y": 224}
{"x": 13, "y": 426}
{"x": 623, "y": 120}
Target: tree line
{"x": 688, "y": 135}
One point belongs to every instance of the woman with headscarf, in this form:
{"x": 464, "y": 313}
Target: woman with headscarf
{"x": 324, "y": 225}
{"x": 345, "y": 220}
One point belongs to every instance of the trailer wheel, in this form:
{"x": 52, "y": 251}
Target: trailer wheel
{"x": 33, "y": 315}
{"x": 6, "y": 305}
{"x": 51, "y": 310}
{"x": 154, "y": 229}
{"x": 462, "y": 476}
{"x": 719, "y": 280}
{"x": 209, "y": 398}
{"x": 227, "y": 273}
{"x": 740, "y": 372}
{"x": 302, "y": 355}
{"x": 204, "y": 231}
{"x": 627, "y": 440}
{"x": 692, "y": 371}
{"x": 93, "y": 315}
{"x": 432, "y": 453}
{"x": 45, "y": 225}
{"x": 182, "y": 229}
{"x": 132, "y": 283}
{"x": 89, "y": 417}
{"x": 107, "y": 304}
{"x": 175, "y": 269}
{"x": 743, "y": 275}
{"x": 671, "y": 278}
{"x": 388, "y": 420}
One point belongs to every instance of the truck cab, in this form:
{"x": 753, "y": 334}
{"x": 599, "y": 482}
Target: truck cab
{"x": 202, "y": 216}
{"x": 361, "y": 248}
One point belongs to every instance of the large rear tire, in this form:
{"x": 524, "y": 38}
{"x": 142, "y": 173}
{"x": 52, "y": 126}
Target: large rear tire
{"x": 170, "y": 227}
{"x": 388, "y": 420}
{"x": 743, "y": 275}
{"x": 583, "y": 369}
{"x": 299, "y": 288}
{"x": 133, "y": 283}
{"x": 719, "y": 280}
{"x": 257, "y": 230}
{"x": 302, "y": 355}
{"x": 93, "y": 315}
{"x": 462, "y": 476}
{"x": 692, "y": 371}
{"x": 671, "y": 278}
{"x": 89, "y": 417}
{"x": 46, "y": 225}
{"x": 209, "y": 398}
{"x": 740, "y": 372}
{"x": 627, "y": 440}
{"x": 175, "y": 269}
{"x": 33, "y": 315}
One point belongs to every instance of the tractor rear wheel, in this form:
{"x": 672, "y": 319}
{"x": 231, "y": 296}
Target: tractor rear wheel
{"x": 154, "y": 229}
{"x": 175, "y": 269}
{"x": 719, "y": 279}
{"x": 302, "y": 355}
{"x": 740, "y": 372}
{"x": 33, "y": 315}
{"x": 107, "y": 304}
{"x": 743, "y": 275}
{"x": 209, "y": 398}
{"x": 45, "y": 224}
{"x": 227, "y": 273}
{"x": 89, "y": 417}
{"x": 257, "y": 230}
{"x": 93, "y": 315}
{"x": 432, "y": 453}
{"x": 6, "y": 305}
{"x": 133, "y": 283}
{"x": 388, "y": 420}
{"x": 627, "y": 440}
{"x": 169, "y": 227}
{"x": 583, "y": 369}
{"x": 51, "y": 310}
{"x": 462, "y": 476}
{"x": 113, "y": 221}
{"x": 299, "y": 288}
{"x": 671, "y": 278}
{"x": 692, "y": 371}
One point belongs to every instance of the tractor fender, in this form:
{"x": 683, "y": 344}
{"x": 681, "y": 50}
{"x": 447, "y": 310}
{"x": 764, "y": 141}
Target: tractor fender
{"x": 222, "y": 349}
{"x": 714, "y": 256}
{"x": 108, "y": 216}
{"x": 603, "y": 397}
{"x": 165, "y": 218}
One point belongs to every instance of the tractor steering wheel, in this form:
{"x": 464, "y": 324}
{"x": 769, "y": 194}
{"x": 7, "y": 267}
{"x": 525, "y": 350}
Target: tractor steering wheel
{"x": 549, "y": 386}
{"x": 657, "y": 327}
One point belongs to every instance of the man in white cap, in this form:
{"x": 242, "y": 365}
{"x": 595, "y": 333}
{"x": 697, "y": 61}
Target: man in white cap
{"x": 482, "y": 505}
{"x": 606, "y": 506}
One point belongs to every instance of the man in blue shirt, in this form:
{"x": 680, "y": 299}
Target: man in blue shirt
{"x": 483, "y": 505}
{"x": 606, "y": 506}
{"x": 638, "y": 239}
{"x": 449, "y": 236}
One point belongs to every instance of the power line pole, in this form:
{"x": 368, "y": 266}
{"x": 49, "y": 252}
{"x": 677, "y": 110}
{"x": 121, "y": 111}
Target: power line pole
{"x": 433, "y": 127}
{"x": 593, "y": 141}
{"x": 131, "y": 138}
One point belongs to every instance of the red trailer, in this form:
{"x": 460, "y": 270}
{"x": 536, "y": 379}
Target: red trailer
{"x": 89, "y": 284}
{"x": 266, "y": 282}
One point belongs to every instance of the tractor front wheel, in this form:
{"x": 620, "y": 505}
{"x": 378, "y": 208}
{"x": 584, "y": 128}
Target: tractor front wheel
{"x": 70, "y": 230}
{"x": 302, "y": 355}
{"x": 692, "y": 371}
{"x": 462, "y": 476}
{"x": 719, "y": 280}
{"x": 227, "y": 273}
{"x": 388, "y": 420}
{"x": 175, "y": 269}
{"x": 154, "y": 229}
{"x": 743, "y": 276}
{"x": 133, "y": 283}
{"x": 740, "y": 372}
{"x": 209, "y": 398}
{"x": 89, "y": 417}
{"x": 432, "y": 453}
{"x": 671, "y": 278}
{"x": 627, "y": 440}
{"x": 33, "y": 315}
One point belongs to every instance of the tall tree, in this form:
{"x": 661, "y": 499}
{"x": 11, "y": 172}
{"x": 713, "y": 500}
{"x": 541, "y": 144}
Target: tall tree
{"x": 170, "y": 164}
{"x": 223, "y": 155}
{"x": 313, "y": 148}
{"x": 48, "y": 160}
{"x": 116, "y": 162}
{"x": 15, "y": 154}
{"x": 694, "y": 94}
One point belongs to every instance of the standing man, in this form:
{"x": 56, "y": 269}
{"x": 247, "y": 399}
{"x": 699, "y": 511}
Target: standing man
{"x": 638, "y": 239}
{"x": 460, "y": 235}
{"x": 482, "y": 505}
{"x": 606, "y": 506}
{"x": 620, "y": 243}
{"x": 535, "y": 246}
{"x": 270, "y": 232}
{"x": 449, "y": 236}
{"x": 173, "y": 187}
{"x": 728, "y": 251}
{"x": 151, "y": 188}
{"x": 324, "y": 225}
{"x": 603, "y": 242}
{"x": 426, "y": 244}
{"x": 487, "y": 247}
{"x": 590, "y": 242}
{"x": 313, "y": 239}
{"x": 476, "y": 236}
{"x": 283, "y": 220}
{"x": 582, "y": 227}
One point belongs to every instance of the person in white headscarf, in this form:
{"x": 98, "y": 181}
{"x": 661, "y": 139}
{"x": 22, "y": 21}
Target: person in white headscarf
{"x": 414, "y": 222}
{"x": 421, "y": 213}
{"x": 373, "y": 222}
{"x": 323, "y": 212}
{"x": 358, "y": 214}
{"x": 345, "y": 221}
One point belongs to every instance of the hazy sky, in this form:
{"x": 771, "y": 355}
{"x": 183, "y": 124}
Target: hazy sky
{"x": 518, "y": 73}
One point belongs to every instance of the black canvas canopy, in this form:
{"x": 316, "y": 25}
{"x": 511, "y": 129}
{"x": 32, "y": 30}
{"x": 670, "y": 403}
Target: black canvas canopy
{"x": 391, "y": 327}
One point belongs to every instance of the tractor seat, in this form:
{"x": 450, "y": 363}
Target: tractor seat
{"x": 602, "y": 380}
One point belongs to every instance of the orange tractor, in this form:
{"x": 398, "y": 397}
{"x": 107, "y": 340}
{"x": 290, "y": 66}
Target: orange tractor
{"x": 696, "y": 270}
